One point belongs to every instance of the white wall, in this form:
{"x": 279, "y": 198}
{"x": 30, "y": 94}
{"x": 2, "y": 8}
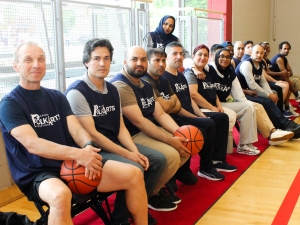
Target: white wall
{"x": 287, "y": 28}
{"x": 253, "y": 20}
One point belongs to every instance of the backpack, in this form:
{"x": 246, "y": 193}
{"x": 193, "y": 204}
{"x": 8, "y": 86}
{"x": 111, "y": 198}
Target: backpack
{"x": 13, "y": 218}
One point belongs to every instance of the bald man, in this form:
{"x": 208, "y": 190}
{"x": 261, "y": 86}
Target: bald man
{"x": 252, "y": 77}
{"x": 148, "y": 123}
{"x": 238, "y": 53}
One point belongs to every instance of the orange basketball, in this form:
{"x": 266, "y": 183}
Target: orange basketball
{"x": 75, "y": 178}
{"x": 194, "y": 136}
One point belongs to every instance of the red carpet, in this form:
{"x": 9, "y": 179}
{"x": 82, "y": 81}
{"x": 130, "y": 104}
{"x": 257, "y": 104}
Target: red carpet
{"x": 196, "y": 199}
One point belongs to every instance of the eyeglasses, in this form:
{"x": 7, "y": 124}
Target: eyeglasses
{"x": 225, "y": 57}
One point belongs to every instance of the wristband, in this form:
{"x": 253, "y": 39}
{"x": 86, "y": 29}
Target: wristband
{"x": 92, "y": 144}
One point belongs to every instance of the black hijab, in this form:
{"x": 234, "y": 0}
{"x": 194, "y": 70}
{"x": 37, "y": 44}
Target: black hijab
{"x": 167, "y": 38}
{"x": 225, "y": 72}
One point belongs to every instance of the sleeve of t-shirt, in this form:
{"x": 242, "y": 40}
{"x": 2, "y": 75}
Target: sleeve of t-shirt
{"x": 127, "y": 95}
{"x": 11, "y": 114}
{"x": 66, "y": 106}
{"x": 78, "y": 103}
{"x": 151, "y": 82}
{"x": 190, "y": 77}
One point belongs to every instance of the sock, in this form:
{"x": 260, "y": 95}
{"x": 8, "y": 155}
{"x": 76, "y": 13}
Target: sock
{"x": 286, "y": 107}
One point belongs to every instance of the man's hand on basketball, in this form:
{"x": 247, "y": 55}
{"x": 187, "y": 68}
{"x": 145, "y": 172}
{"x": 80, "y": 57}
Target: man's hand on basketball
{"x": 91, "y": 160}
{"x": 176, "y": 142}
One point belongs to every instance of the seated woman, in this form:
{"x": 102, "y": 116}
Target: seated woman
{"x": 214, "y": 92}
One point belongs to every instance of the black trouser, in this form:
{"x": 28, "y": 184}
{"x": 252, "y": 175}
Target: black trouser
{"x": 215, "y": 133}
{"x": 275, "y": 115}
{"x": 278, "y": 89}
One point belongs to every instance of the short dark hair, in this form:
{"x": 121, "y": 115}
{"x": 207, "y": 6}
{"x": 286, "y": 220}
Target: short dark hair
{"x": 283, "y": 43}
{"x": 171, "y": 45}
{"x": 94, "y": 43}
{"x": 155, "y": 51}
{"x": 215, "y": 47}
{"x": 248, "y": 42}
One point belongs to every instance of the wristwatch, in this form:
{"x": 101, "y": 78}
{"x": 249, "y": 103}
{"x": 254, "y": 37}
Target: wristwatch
{"x": 92, "y": 144}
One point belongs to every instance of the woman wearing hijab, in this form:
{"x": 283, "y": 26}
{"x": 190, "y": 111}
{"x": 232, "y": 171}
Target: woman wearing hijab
{"x": 225, "y": 84}
{"x": 162, "y": 35}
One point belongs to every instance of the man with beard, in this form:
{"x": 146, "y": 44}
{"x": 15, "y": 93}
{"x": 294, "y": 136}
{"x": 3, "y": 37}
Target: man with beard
{"x": 148, "y": 124}
{"x": 251, "y": 76}
{"x": 280, "y": 64}
{"x": 184, "y": 112}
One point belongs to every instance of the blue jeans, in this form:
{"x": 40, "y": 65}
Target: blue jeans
{"x": 157, "y": 165}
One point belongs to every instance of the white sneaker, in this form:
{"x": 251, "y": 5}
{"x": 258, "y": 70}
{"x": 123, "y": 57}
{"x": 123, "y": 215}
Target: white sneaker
{"x": 247, "y": 150}
{"x": 293, "y": 112}
{"x": 280, "y": 136}
{"x": 297, "y": 99}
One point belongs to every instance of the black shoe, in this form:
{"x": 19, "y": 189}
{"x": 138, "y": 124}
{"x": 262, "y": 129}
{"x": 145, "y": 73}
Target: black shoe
{"x": 187, "y": 178}
{"x": 295, "y": 128}
{"x": 151, "y": 220}
{"x": 160, "y": 202}
{"x": 170, "y": 194}
{"x": 225, "y": 167}
{"x": 211, "y": 174}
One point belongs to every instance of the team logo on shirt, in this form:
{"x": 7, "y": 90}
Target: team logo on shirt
{"x": 147, "y": 102}
{"x": 165, "y": 97}
{"x": 222, "y": 87}
{"x": 101, "y": 110}
{"x": 44, "y": 120}
{"x": 208, "y": 85}
{"x": 180, "y": 87}
{"x": 161, "y": 46}
{"x": 257, "y": 77}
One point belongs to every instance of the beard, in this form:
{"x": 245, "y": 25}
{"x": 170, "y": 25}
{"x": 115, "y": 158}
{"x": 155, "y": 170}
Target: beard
{"x": 136, "y": 74}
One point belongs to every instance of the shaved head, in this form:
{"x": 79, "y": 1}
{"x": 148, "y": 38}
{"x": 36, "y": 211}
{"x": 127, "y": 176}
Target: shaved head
{"x": 136, "y": 63}
{"x": 239, "y": 50}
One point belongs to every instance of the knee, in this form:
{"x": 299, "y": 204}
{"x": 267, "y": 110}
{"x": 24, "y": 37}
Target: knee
{"x": 60, "y": 198}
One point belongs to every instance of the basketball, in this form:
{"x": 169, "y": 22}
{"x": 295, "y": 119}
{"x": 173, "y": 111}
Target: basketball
{"x": 75, "y": 178}
{"x": 194, "y": 136}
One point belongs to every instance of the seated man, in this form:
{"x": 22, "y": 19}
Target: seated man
{"x": 280, "y": 64}
{"x": 247, "y": 50}
{"x": 251, "y": 76}
{"x": 204, "y": 92}
{"x": 213, "y": 153}
{"x": 238, "y": 53}
{"x": 40, "y": 131}
{"x": 96, "y": 104}
{"x": 142, "y": 113}
{"x": 274, "y": 80}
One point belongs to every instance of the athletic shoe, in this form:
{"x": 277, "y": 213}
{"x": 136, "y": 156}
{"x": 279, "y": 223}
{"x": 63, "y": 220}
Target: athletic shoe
{"x": 187, "y": 178}
{"x": 211, "y": 174}
{"x": 280, "y": 136}
{"x": 287, "y": 113}
{"x": 297, "y": 99}
{"x": 294, "y": 113}
{"x": 170, "y": 194}
{"x": 159, "y": 202}
{"x": 247, "y": 150}
{"x": 295, "y": 128}
{"x": 225, "y": 167}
